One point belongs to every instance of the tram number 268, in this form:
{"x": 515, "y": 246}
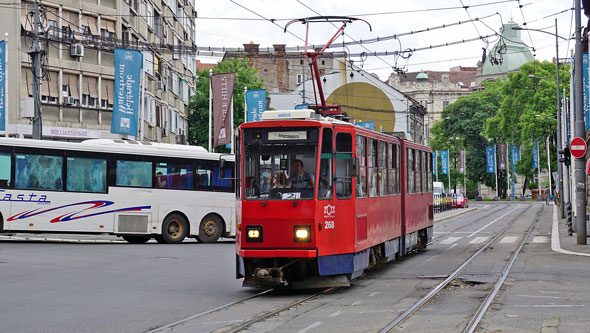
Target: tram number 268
{"x": 329, "y": 224}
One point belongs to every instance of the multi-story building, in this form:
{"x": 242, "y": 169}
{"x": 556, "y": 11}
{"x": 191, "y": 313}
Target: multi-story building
{"x": 77, "y": 91}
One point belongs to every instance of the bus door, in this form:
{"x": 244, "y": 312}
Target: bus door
{"x": 335, "y": 189}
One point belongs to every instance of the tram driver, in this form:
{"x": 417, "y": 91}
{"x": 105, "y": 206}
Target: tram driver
{"x": 300, "y": 178}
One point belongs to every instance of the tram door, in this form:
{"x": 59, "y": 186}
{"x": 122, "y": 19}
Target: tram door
{"x": 336, "y": 173}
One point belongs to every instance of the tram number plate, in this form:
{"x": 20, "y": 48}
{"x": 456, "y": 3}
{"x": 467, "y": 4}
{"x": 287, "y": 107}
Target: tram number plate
{"x": 329, "y": 224}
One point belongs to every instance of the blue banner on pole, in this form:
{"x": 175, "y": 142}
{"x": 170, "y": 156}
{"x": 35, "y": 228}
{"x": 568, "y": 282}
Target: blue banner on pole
{"x": 434, "y": 165}
{"x": 491, "y": 159}
{"x": 444, "y": 162}
{"x": 2, "y": 86}
{"x": 366, "y": 124}
{"x": 586, "y": 90}
{"x": 256, "y": 104}
{"x": 515, "y": 155}
{"x": 536, "y": 155}
{"x": 128, "y": 64}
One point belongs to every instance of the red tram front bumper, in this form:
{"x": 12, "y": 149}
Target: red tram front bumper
{"x": 275, "y": 253}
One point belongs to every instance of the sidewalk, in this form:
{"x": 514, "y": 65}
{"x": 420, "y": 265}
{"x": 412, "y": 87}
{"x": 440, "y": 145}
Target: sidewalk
{"x": 561, "y": 242}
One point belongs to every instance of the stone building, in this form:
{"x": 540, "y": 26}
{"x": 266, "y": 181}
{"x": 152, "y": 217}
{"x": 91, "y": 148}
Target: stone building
{"x": 79, "y": 37}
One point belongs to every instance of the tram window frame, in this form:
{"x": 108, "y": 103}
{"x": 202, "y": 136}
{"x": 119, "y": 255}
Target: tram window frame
{"x": 410, "y": 177}
{"x": 390, "y": 169}
{"x": 382, "y": 173}
{"x": 361, "y": 155}
{"x": 238, "y": 165}
{"x": 430, "y": 171}
{"x": 6, "y": 177}
{"x": 343, "y": 160}
{"x": 418, "y": 155}
{"x": 56, "y": 157}
{"x": 373, "y": 168}
{"x": 425, "y": 171}
{"x": 326, "y": 162}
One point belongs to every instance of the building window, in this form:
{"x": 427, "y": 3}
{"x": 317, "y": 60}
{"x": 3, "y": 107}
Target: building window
{"x": 300, "y": 78}
{"x": 445, "y": 104}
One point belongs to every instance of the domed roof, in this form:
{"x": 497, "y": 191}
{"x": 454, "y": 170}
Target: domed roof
{"x": 508, "y": 54}
{"x": 421, "y": 77}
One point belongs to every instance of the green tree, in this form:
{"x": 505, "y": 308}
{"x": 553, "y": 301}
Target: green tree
{"x": 199, "y": 103}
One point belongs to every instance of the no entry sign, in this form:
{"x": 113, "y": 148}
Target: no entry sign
{"x": 578, "y": 147}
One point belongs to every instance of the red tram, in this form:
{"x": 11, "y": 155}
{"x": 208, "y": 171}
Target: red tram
{"x": 319, "y": 200}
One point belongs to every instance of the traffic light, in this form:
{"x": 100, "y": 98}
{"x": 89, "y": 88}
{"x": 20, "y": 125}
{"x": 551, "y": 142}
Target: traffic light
{"x": 566, "y": 156}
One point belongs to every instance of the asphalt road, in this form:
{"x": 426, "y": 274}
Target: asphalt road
{"x": 57, "y": 287}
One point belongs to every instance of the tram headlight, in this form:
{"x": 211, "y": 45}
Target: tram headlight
{"x": 254, "y": 233}
{"x": 302, "y": 233}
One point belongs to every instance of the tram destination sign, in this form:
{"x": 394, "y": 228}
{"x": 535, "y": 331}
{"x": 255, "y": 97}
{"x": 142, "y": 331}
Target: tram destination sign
{"x": 290, "y": 135}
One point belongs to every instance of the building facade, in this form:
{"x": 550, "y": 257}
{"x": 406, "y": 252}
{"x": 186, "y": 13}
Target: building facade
{"x": 78, "y": 38}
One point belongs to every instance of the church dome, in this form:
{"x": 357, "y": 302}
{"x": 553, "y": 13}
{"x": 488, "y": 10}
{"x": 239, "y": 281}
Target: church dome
{"x": 422, "y": 77}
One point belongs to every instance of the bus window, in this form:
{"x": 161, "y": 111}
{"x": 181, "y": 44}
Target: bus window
{"x": 134, "y": 173}
{"x": 5, "y": 166}
{"x": 218, "y": 182}
{"x": 325, "y": 178}
{"x": 86, "y": 175}
{"x": 361, "y": 181}
{"x": 38, "y": 172}
{"x": 174, "y": 175}
{"x": 343, "y": 165}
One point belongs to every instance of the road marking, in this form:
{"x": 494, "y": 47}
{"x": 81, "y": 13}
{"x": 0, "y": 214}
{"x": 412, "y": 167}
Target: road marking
{"x": 375, "y": 293}
{"x": 450, "y": 240}
{"x": 547, "y": 306}
{"x": 509, "y": 239}
{"x": 478, "y": 240}
{"x": 310, "y": 327}
{"x": 555, "y": 244}
{"x": 541, "y": 239}
{"x": 336, "y": 314}
{"x": 357, "y": 303}
{"x": 550, "y": 292}
{"x": 450, "y": 247}
{"x": 494, "y": 221}
{"x": 540, "y": 296}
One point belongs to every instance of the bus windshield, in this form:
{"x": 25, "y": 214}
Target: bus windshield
{"x": 277, "y": 168}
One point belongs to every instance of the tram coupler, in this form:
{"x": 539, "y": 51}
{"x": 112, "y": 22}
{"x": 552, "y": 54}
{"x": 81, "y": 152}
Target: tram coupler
{"x": 269, "y": 276}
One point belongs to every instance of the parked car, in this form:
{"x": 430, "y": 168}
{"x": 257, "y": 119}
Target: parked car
{"x": 462, "y": 201}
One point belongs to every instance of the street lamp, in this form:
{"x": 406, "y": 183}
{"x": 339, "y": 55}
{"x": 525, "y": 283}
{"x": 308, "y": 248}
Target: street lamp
{"x": 549, "y": 156}
{"x": 558, "y": 114}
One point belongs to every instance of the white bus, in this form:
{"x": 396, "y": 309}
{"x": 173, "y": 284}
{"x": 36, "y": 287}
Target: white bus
{"x": 137, "y": 190}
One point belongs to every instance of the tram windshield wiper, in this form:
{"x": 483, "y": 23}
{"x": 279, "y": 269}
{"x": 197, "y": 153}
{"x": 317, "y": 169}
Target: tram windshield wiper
{"x": 265, "y": 200}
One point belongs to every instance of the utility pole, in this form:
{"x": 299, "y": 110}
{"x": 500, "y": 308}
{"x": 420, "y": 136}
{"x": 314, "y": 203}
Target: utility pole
{"x": 558, "y": 114}
{"x": 35, "y": 52}
{"x": 580, "y": 181}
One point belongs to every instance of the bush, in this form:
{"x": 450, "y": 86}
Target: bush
{"x": 533, "y": 186}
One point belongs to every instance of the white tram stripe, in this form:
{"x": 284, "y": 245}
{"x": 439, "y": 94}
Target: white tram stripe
{"x": 311, "y": 327}
{"x": 541, "y": 239}
{"x": 509, "y": 239}
{"x": 450, "y": 240}
{"x": 478, "y": 240}
{"x": 336, "y": 314}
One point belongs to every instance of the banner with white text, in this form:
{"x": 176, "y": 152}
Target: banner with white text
{"x": 128, "y": 64}
{"x": 222, "y": 90}
{"x": 255, "y": 104}
{"x": 2, "y": 86}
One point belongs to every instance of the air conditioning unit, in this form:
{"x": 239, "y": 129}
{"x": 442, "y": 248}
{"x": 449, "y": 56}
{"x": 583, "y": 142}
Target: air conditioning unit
{"x": 77, "y": 50}
{"x": 69, "y": 100}
{"x": 164, "y": 132}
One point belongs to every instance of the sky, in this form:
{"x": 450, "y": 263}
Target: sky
{"x": 232, "y": 23}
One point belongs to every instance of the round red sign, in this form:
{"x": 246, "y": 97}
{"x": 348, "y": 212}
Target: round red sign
{"x": 578, "y": 147}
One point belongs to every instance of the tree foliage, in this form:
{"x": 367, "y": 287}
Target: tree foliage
{"x": 199, "y": 103}
{"x": 517, "y": 109}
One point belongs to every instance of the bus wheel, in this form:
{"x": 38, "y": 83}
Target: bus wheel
{"x": 174, "y": 229}
{"x": 210, "y": 229}
{"x": 137, "y": 239}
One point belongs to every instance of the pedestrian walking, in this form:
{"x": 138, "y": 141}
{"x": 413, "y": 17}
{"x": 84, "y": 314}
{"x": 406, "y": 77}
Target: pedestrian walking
{"x": 547, "y": 193}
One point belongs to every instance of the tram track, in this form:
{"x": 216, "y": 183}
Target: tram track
{"x": 481, "y": 310}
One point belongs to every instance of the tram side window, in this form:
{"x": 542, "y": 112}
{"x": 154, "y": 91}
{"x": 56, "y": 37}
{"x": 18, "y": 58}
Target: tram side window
{"x": 430, "y": 170}
{"x": 418, "y": 171}
{"x": 391, "y": 169}
{"x": 5, "y": 165}
{"x": 134, "y": 173}
{"x": 361, "y": 155}
{"x": 325, "y": 178}
{"x": 382, "y": 168}
{"x": 39, "y": 172}
{"x": 410, "y": 170}
{"x": 373, "y": 174}
{"x": 398, "y": 169}
{"x": 343, "y": 165}
{"x": 425, "y": 172}
{"x": 174, "y": 175}
{"x": 86, "y": 175}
